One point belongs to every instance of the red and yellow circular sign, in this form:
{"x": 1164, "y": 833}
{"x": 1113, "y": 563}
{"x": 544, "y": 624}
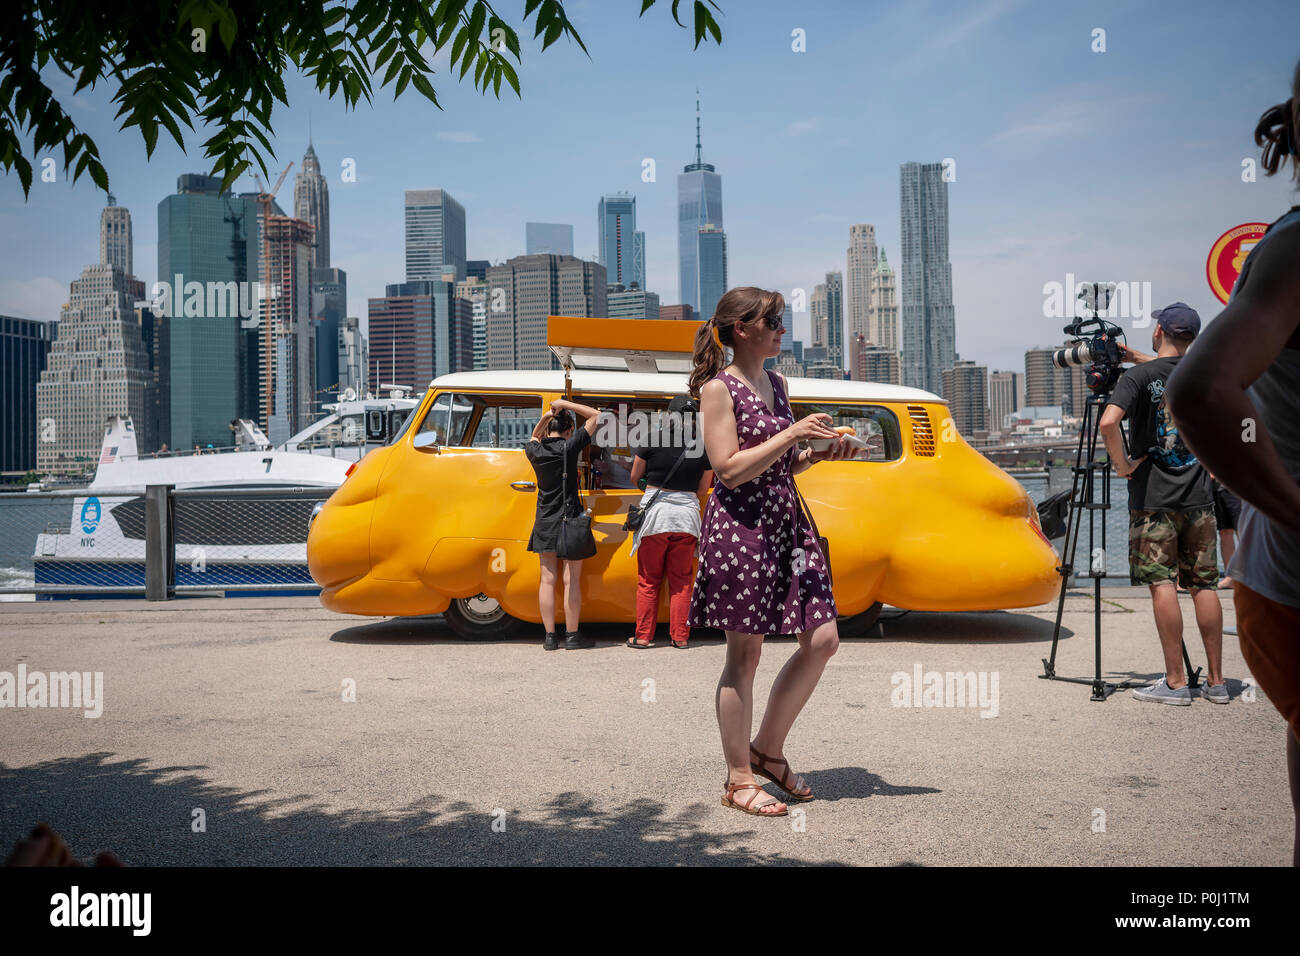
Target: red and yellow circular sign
{"x": 1228, "y": 254}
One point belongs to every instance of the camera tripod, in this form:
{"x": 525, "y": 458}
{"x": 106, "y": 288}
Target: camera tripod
{"x": 1083, "y": 497}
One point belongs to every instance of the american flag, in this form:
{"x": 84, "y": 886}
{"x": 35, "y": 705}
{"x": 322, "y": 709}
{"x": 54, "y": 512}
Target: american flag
{"x": 109, "y": 455}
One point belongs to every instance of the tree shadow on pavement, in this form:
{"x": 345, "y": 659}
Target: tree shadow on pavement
{"x": 144, "y": 814}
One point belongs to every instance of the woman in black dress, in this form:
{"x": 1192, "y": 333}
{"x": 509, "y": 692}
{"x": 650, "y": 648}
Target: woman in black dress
{"x": 553, "y": 447}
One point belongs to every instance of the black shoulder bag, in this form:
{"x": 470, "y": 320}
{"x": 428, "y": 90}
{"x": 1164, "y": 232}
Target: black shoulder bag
{"x": 576, "y": 540}
{"x": 825, "y": 545}
{"x": 636, "y": 513}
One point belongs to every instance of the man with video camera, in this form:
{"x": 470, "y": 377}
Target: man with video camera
{"x": 1172, "y": 532}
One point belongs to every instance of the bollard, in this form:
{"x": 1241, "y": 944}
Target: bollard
{"x": 159, "y": 543}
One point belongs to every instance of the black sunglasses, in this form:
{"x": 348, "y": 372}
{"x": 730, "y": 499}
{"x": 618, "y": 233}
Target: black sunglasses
{"x": 773, "y": 322}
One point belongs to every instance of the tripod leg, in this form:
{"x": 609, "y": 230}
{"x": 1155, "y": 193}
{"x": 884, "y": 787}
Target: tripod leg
{"x": 1193, "y": 676}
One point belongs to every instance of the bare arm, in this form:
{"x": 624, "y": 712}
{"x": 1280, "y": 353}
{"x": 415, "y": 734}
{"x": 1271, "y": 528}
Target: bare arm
{"x": 539, "y": 430}
{"x": 1134, "y": 356}
{"x": 1114, "y": 438}
{"x": 1207, "y": 391}
{"x": 591, "y": 415}
{"x": 706, "y": 482}
{"x": 638, "y": 471}
{"x": 722, "y": 443}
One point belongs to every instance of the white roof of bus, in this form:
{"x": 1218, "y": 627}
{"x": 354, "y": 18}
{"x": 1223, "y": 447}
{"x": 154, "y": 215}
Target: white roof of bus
{"x": 667, "y": 383}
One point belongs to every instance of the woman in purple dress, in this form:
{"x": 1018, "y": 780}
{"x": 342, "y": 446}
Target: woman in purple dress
{"x": 761, "y": 570}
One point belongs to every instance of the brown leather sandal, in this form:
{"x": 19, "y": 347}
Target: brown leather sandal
{"x": 759, "y": 768}
{"x": 728, "y": 800}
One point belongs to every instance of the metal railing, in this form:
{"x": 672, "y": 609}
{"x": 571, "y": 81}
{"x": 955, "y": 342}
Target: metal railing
{"x": 156, "y": 541}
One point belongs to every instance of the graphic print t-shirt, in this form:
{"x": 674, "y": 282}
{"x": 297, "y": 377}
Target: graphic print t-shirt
{"x": 1171, "y": 479}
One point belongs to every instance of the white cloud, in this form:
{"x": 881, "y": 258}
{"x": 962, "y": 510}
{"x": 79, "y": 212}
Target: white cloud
{"x": 37, "y": 298}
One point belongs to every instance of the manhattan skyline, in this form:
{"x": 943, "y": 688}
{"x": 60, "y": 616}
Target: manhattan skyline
{"x": 1116, "y": 165}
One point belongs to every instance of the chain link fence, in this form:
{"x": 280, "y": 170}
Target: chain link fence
{"x": 156, "y": 542}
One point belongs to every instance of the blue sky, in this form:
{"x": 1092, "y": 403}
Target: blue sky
{"x": 1122, "y": 165}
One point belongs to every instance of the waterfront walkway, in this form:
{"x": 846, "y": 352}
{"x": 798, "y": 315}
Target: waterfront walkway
{"x": 231, "y": 711}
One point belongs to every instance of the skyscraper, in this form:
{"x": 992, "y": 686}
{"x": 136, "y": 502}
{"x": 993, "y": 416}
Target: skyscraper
{"x": 929, "y": 333}
{"x": 474, "y": 291}
{"x": 208, "y": 248}
{"x": 860, "y": 281}
{"x": 712, "y": 252}
{"x": 616, "y": 234}
{"x": 699, "y": 221}
{"x": 1045, "y": 384}
{"x": 353, "y": 358}
{"x": 288, "y": 371}
{"x": 632, "y": 303}
{"x": 24, "y": 350}
{"x": 329, "y": 306}
{"x": 638, "y": 259}
{"x": 435, "y": 235}
{"x": 419, "y": 331}
{"x": 115, "y": 246}
{"x": 553, "y": 237}
{"x": 1006, "y": 395}
{"x": 311, "y": 204}
{"x": 817, "y": 315}
{"x": 966, "y": 390}
{"x": 97, "y": 367}
{"x": 523, "y": 291}
{"x": 882, "y": 330}
{"x": 873, "y": 363}
{"x": 835, "y": 318}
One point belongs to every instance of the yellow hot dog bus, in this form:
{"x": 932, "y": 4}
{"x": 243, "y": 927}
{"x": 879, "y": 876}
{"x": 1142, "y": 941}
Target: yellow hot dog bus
{"x": 438, "y": 521}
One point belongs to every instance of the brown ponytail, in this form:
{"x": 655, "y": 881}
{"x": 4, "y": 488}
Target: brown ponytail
{"x": 742, "y": 304}
{"x": 1278, "y": 131}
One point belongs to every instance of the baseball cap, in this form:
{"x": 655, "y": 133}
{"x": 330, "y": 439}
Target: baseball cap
{"x": 1178, "y": 319}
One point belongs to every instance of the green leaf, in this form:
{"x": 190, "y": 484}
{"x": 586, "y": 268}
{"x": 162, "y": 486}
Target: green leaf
{"x": 421, "y": 83}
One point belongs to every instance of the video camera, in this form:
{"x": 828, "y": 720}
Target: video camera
{"x": 1095, "y": 344}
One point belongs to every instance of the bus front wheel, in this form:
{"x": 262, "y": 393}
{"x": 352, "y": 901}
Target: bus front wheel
{"x": 482, "y": 618}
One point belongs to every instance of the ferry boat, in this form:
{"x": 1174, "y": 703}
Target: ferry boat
{"x": 223, "y": 540}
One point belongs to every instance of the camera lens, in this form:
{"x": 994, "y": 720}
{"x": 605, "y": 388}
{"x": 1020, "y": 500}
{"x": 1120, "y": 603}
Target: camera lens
{"x": 1073, "y": 356}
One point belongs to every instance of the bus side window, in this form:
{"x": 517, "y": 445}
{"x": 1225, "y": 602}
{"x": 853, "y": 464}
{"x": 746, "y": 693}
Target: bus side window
{"x": 433, "y": 429}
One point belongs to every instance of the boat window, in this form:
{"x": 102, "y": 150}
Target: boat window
{"x": 351, "y": 430}
{"x": 873, "y": 423}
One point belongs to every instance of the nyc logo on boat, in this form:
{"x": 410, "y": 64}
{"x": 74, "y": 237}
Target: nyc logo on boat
{"x": 90, "y": 512}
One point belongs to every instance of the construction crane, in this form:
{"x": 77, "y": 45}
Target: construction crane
{"x": 265, "y": 199}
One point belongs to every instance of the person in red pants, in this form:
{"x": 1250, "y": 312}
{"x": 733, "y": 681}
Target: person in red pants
{"x": 677, "y": 477}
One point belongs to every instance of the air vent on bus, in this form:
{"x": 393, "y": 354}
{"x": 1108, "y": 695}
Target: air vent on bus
{"x": 922, "y": 432}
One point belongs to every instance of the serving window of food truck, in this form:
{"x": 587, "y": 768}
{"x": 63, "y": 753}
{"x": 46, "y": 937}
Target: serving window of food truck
{"x": 627, "y": 423}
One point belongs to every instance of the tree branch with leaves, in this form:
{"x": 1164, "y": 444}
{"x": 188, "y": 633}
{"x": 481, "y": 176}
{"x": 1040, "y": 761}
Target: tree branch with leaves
{"x": 221, "y": 63}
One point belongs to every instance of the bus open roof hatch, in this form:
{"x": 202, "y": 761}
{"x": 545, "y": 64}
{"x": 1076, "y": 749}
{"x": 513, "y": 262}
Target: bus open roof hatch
{"x": 621, "y": 345}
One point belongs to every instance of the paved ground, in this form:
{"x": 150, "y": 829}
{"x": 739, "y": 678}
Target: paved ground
{"x": 233, "y": 707}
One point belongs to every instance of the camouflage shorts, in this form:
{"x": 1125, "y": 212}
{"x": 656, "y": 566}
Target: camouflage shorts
{"x": 1164, "y": 545}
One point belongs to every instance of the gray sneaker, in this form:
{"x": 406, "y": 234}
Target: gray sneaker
{"x": 1161, "y": 693}
{"x": 1215, "y": 693}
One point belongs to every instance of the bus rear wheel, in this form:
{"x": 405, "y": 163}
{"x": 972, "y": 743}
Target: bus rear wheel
{"x": 860, "y": 625}
{"x": 482, "y": 618}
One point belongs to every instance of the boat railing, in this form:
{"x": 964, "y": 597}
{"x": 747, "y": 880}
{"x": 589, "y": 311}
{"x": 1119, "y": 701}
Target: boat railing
{"x": 165, "y": 541}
